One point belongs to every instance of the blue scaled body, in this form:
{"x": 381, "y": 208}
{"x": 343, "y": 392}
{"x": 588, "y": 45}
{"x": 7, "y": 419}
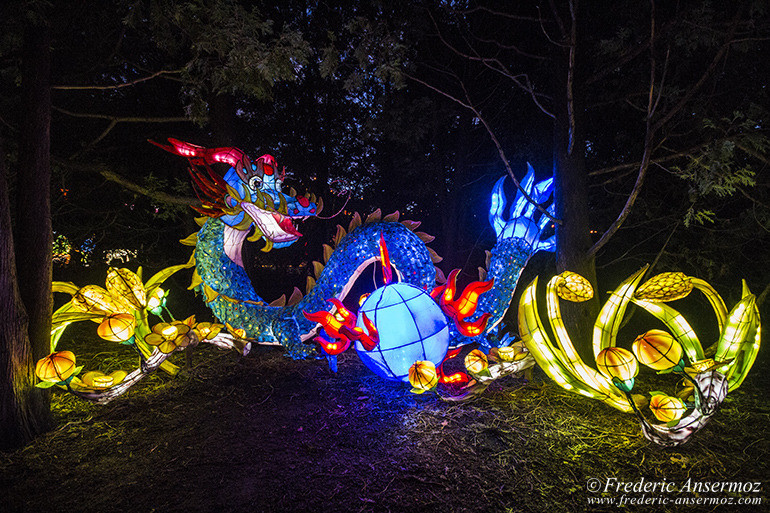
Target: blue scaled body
{"x": 236, "y": 302}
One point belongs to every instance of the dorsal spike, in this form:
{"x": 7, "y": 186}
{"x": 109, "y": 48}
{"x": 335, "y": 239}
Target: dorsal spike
{"x": 440, "y": 277}
{"x": 412, "y": 225}
{"x": 296, "y": 297}
{"x": 355, "y": 222}
{"x": 425, "y": 237}
{"x": 281, "y": 301}
{"x": 488, "y": 258}
{"x": 328, "y": 250}
{"x": 374, "y": 217}
{"x": 319, "y": 205}
{"x": 339, "y": 235}
{"x": 318, "y": 267}
{"x": 190, "y": 240}
{"x": 309, "y": 284}
{"x": 200, "y": 221}
{"x": 434, "y": 256}
{"x": 292, "y": 192}
{"x": 482, "y": 274}
{"x": 391, "y": 218}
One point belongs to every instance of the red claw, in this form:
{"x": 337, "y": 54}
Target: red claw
{"x": 465, "y": 305}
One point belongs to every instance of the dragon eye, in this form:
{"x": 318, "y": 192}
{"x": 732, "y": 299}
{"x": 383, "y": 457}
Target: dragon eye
{"x": 255, "y": 183}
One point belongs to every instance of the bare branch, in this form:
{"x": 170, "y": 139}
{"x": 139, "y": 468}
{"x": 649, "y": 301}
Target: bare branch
{"x": 468, "y": 105}
{"x": 571, "y": 76}
{"x": 119, "y": 119}
{"x": 116, "y": 86}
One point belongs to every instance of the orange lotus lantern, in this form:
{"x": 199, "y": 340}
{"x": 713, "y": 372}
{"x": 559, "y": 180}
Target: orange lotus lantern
{"x": 423, "y": 376}
{"x": 476, "y": 361}
{"x": 667, "y": 408}
{"x": 658, "y": 350}
{"x": 56, "y": 367}
{"x": 619, "y": 365}
{"x": 117, "y": 328}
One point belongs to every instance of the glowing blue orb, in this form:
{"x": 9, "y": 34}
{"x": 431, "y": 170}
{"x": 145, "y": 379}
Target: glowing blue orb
{"x": 411, "y": 327}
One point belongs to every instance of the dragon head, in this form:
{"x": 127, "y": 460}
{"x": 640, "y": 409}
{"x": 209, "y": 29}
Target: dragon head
{"x": 249, "y": 195}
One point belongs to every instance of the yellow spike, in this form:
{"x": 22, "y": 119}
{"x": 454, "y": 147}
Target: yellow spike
{"x": 244, "y": 225}
{"x": 319, "y": 205}
{"x": 412, "y": 225}
{"x": 374, "y": 217}
{"x": 391, "y": 218}
{"x": 190, "y": 240}
{"x": 229, "y": 299}
{"x": 339, "y": 235}
{"x": 317, "y": 268}
{"x": 268, "y": 245}
{"x": 440, "y": 278}
{"x": 328, "y": 250}
{"x": 254, "y": 237}
{"x": 488, "y": 258}
{"x": 196, "y": 280}
{"x": 283, "y": 208}
{"x": 296, "y": 297}
{"x": 434, "y": 256}
{"x": 313, "y": 199}
{"x": 209, "y": 293}
{"x": 310, "y": 284}
{"x": 232, "y": 192}
{"x": 292, "y": 192}
{"x": 355, "y": 222}
{"x": 482, "y": 274}
{"x": 281, "y": 301}
{"x": 424, "y": 237}
{"x": 200, "y": 221}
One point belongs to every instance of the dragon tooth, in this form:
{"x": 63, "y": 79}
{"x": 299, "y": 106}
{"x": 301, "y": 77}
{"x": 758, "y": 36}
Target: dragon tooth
{"x": 268, "y": 245}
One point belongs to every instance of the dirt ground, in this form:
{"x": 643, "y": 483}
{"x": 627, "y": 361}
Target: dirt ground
{"x": 266, "y": 433}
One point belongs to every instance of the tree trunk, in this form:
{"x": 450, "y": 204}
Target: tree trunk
{"x": 32, "y": 243}
{"x": 573, "y": 238}
{"x": 24, "y": 409}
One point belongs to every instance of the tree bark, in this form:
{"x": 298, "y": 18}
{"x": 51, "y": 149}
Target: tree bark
{"x": 573, "y": 238}
{"x": 24, "y": 409}
{"x": 28, "y": 288}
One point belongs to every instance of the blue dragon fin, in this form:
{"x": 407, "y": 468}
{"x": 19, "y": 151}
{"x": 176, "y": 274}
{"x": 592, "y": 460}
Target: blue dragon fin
{"x": 497, "y": 207}
{"x": 520, "y": 203}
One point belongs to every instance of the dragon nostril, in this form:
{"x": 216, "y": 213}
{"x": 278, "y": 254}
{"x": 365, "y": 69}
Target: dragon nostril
{"x": 296, "y": 211}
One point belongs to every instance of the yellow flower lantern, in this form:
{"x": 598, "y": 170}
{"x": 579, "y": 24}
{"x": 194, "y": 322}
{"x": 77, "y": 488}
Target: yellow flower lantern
{"x": 423, "y": 376}
{"x": 207, "y": 330}
{"x": 56, "y": 366}
{"x": 667, "y": 408}
{"x": 476, "y": 361}
{"x": 168, "y": 337}
{"x": 665, "y": 287}
{"x": 127, "y": 288}
{"x": 619, "y": 365}
{"x": 99, "y": 380}
{"x": 657, "y": 350}
{"x": 117, "y": 328}
{"x": 95, "y": 299}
